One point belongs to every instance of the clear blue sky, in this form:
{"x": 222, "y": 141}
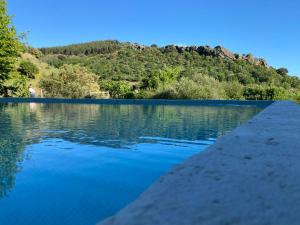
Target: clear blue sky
{"x": 266, "y": 28}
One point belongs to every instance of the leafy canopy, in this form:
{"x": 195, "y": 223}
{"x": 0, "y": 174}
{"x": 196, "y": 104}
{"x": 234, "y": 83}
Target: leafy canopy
{"x": 10, "y": 47}
{"x": 28, "y": 69}
{"x": 69, "y": 81}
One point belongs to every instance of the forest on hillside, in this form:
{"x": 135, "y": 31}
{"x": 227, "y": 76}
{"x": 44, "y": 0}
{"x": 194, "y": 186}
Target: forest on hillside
{"x": 175, "y": 72}
{"x": 130, "y": 70}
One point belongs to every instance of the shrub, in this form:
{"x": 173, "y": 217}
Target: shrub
{"x": 233, "y": 90}
{"x": 161, "y": 78}
{"x": 254, "y": 92}
{"x": 69, "y": 81}
{"x": 210, "y": 85}
{"x": 259, "y": 92}
{"x": 16, "y": 86}
{"x": 34, "y": 51}
{"x": 200, "y": 87}
{"x": 118, "y": 89}
{"x": 28, "y": 69}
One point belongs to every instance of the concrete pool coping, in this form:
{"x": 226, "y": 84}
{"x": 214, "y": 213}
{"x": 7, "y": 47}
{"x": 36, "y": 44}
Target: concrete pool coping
{"x": 250, "y": 176}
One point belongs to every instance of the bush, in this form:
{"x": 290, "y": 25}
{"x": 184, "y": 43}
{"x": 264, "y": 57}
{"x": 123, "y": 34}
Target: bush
{"x": 259, "y": 92}
{"x": 210, "y": 85}
{"x": 69, "y": 81}
{"x": 161, "y": 78}
{"x": 166, "y": 93}
{"x": 234, "y": 90}
{"x": 199, "y": 87}
{"x": 189, "y": 89}
{"x": 254, "y": 92}
{"x": 28, "y": 69}
{"x": 16, "y": 86}
{"x": 118, "y": 89}
{"x": 34, "y": 51}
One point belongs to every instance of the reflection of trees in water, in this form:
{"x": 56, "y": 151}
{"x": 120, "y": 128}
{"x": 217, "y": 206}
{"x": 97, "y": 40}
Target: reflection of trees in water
{"x": 13, "y": 120}
{"x": 105, "y": 125}
{"x": 97, "y": 124}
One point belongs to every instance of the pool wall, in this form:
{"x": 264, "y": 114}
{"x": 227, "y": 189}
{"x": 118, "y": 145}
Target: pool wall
{"x": 250, "y": 176}
{"x": 262, "y": 104}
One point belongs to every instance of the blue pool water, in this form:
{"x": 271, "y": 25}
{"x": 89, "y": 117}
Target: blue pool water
{"x": 78, "y": 164}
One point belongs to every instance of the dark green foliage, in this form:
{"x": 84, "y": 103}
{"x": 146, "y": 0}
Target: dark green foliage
{"x": 10, "y": 46}
{"x": 234, "y": 90}
{"x": 92, "y": 48}
{"x": 118, "y": 89}
{"x": 282, "y": 71}
{"x": 15, "y": 86}
{"x": 28, "y": 69}
{"x": 259, "y": 92}
{"x": 162, "y": 77}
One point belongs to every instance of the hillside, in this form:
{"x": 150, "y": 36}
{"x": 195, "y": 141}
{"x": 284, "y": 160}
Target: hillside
{"x": 115, "y": 60}
{"x": 218, "y": 71}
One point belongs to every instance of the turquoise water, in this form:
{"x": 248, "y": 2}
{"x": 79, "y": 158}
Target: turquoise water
{"x": 78, "y": 164}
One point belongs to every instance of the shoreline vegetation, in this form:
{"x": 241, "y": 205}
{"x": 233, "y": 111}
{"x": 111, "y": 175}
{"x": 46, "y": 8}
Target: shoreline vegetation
{"x": 123, "y": 70}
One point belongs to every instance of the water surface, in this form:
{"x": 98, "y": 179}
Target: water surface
{"x": 78, "y": 164}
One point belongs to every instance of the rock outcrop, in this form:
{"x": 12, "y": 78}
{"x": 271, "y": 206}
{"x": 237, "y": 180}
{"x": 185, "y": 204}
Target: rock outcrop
{"x": 218, "y": 51}
{"x": 137, "y": 46}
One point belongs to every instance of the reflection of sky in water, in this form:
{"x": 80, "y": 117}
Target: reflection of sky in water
{"x": 77, "y": 164}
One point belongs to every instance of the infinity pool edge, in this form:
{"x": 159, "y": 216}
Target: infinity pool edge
{"x": 249, "y": 176}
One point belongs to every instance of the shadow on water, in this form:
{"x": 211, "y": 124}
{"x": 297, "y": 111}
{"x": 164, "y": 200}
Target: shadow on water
{"x": 114, "y": 127}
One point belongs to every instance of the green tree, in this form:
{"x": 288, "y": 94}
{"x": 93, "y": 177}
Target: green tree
{"x": 233, "y": 90}
{"x": 10, "y": 46}
{"x": 69, "y": 81}
{"x": 254, "y": 92}
{"x": 28, "y": 69}
{"x": 282, "y": 71}
{"x": 118, "y": 89}
{"x": 161, "y": 78}
{"x": 16, "y": 85}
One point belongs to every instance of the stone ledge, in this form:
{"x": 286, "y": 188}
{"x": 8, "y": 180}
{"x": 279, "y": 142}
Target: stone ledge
{"x": 248, "y": 177}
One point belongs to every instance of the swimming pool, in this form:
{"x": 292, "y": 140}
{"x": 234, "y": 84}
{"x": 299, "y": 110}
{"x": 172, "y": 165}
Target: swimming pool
{"x": 76, "y": 164}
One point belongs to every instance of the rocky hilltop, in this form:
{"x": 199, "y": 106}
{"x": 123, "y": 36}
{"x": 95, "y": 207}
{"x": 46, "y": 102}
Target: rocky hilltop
{"x": 206, "y": 50}
{"x": 218, "y": 51}
{"x": 110, "y": 46}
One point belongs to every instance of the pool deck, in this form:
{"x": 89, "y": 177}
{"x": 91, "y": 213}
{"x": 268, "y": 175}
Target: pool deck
{"x": 250, "y": 176}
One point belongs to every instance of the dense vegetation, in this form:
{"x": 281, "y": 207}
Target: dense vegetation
{"x": 127, "y": 70}
{"x": 134, "y": 71}
{"x": 10, "y": 49}
{"x": 69, "y": 82}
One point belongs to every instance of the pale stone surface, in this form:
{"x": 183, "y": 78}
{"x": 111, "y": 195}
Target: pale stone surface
{"x": 249, "y": 177}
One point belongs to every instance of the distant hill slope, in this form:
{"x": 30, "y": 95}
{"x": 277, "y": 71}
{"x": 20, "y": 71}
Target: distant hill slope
{"x": 113, "y": 59}
{"x": 131, "y": 62}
